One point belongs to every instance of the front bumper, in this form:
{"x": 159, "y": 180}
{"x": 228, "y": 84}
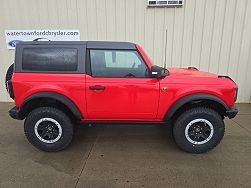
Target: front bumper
{"x": 232, "y": 112}
{"x": 15, "y": 113}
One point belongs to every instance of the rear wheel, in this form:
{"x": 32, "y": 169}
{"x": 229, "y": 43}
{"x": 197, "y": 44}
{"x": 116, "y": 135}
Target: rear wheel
{"x": 9, "y": 74}
{"x": 48, "y": 129}
{"x": 198, "y": 130}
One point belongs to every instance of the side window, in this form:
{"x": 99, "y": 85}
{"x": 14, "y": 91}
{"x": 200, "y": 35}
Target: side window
{"x": 50, "y": 59}
{"x": 117, "y": 63}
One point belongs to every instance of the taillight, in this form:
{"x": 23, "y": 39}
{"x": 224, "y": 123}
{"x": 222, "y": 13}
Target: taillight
{"x": 10, "y": 89}
{"x": 236, "y": 93}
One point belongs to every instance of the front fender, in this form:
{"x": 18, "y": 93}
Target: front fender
{"x": 193, "y": 97}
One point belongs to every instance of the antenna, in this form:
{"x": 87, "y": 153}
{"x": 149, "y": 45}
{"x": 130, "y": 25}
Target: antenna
{"x": 165, "y": 50}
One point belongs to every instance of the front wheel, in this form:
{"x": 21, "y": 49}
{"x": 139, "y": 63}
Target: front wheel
{"x": 48, "y": 129}
{"x": 198, "y": 130}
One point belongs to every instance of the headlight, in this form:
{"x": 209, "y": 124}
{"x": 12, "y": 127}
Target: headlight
{"x": 236, "y": 86}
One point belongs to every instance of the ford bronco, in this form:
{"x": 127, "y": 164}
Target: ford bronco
{"x": 57, "y": 84}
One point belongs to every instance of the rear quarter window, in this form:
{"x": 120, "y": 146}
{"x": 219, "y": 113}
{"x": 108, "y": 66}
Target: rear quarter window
{"x": 56, "y": 59}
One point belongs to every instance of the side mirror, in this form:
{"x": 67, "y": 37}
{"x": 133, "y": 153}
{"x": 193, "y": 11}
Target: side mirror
{"x": 158, "y": 72}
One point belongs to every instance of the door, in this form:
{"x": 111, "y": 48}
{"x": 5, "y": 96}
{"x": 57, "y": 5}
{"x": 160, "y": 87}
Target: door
{"x": 119, "y": 87}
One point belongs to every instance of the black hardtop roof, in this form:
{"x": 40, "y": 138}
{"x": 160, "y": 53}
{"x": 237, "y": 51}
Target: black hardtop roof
{"x": 89, "y": 44}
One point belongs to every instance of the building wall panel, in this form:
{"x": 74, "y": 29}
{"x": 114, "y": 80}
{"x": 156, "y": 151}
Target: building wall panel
{"x": 213, "y": 35}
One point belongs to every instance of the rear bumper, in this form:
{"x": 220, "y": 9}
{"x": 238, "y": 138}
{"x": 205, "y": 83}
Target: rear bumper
{"x": 15, "y": 113}
{"x": 232, "y": 112}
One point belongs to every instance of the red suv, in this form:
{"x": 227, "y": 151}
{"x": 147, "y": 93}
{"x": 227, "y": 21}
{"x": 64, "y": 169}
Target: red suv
{"x": 57, "y": 84}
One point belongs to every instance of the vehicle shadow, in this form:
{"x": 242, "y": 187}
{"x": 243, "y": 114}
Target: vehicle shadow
{"x": 132, "y": 133}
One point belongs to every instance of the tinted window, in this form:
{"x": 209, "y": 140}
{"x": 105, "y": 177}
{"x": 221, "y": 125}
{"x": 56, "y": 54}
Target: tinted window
{"x": 117, "y": 63}
{"x": 50, "y": 59}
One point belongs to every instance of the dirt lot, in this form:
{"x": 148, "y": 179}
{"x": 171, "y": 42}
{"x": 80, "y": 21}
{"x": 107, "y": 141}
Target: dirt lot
{"x": 125, "y": 156}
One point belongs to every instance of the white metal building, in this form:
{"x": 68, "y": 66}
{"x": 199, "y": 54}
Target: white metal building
{"x": 212, "y": 35}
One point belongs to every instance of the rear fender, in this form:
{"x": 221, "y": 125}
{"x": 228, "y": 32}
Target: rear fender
{"x": 51, "y": 95}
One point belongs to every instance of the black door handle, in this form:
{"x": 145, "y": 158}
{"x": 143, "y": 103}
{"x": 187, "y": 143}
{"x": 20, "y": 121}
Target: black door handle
{"x": 97, "y": 87}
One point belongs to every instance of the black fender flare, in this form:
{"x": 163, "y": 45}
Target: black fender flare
{"x": 189, "y": 98}
{"x": 56, "y": 96}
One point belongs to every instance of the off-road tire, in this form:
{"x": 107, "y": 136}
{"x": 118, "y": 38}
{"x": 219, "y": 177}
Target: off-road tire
{"x": 197, "y": 113}
{"x": 53, "y": 113}
{"x": 9, "y": 74}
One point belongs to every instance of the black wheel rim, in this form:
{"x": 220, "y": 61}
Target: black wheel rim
{"x": 199, "y": 131}
{"x": 48, "y": 130}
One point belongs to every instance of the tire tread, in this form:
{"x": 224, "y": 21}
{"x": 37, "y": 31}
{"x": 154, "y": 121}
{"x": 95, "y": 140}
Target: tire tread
{"x": 179, "y": 123}
{"x": 54, "y": 112}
